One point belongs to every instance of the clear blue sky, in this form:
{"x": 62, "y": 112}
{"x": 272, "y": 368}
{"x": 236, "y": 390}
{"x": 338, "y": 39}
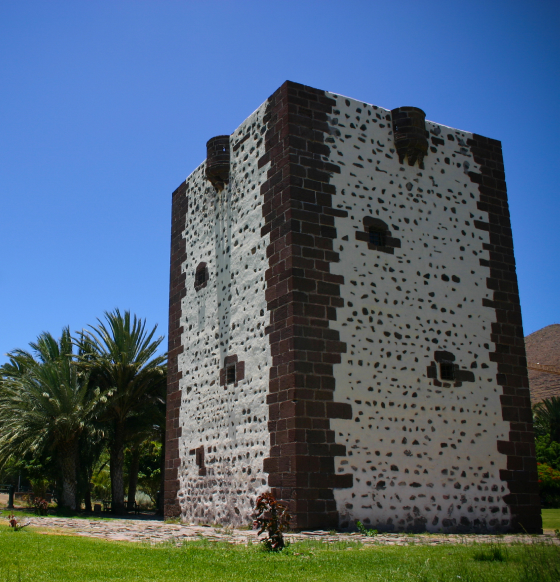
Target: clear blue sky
{"x": 106, "y": 106}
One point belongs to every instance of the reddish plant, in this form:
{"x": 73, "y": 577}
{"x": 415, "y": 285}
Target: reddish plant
{"x": 273, "y": 518}
{"x": 549, "y": 484}
{"x": 14, "y": 522}
{"x": 41, "y": 506}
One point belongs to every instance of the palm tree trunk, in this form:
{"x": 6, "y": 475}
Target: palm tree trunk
{"x": 68, "y": 464}
{"x": 117, "y": 465}
{"x": 133, "y": 475}
{"x": 161, "y": 497}
{"x": 87, "y": 495}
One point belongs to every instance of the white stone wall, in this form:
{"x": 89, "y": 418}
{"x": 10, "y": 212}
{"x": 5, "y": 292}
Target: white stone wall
{"x": 421, "y": 455}
{"x": 227, "y": 317}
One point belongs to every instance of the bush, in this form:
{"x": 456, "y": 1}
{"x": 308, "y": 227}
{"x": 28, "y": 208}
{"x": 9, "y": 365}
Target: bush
{"x": 548, "y": 452}
{"x": 549, "y": 485}
{"x": 41, "y": 506}
{"x": 272, "y": 517}
{"x": 39, "y": 486}
{"x": 101, "y": 480}
{"x": 365, "y": 531}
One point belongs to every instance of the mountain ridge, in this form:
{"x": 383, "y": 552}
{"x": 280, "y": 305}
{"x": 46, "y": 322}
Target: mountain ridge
{"x": 543, "y": 347}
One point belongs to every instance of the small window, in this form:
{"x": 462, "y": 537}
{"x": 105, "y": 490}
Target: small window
{"x": 377, "y": 237}
{"x": 199, "y": 278}
{"x": 199, "y": 459}
{"x": 230, "y": 374}
{"x": 447, "y": 370}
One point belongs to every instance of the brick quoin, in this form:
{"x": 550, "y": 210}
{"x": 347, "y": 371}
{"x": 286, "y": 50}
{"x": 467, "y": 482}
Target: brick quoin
{"x": 507, "y": 335}
{"x": 177, "y": 290}
{"x": 302, "y": 297}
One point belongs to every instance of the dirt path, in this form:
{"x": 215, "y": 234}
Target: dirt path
{"x": 154, "y": 531}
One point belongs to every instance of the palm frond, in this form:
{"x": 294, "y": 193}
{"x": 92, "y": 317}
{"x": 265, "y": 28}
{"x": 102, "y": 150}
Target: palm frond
{"x": 47, "y": 407}
{"x": 546, "y": 418}
{"x": 120, "y": 352}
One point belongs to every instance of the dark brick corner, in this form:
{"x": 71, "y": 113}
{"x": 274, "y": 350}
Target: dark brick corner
{"x": 507, "y": 335}
{"x": 177, "y": 290}
{"x": 302, "y": 297}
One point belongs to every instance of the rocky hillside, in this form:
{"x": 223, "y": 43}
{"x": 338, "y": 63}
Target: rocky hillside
{"x": 543, "y": 347}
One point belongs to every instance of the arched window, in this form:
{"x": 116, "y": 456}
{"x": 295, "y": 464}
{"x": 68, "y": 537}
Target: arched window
{"x": 201, "y": 276}
{"x": 378, "y": 236}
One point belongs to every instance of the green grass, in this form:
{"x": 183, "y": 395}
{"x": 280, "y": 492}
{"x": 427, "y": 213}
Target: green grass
{"x": 494, "y": 552}
{"x": 29, "y": 556}
{"x": 22, "y": 513}
{"x": 551, "y": 518}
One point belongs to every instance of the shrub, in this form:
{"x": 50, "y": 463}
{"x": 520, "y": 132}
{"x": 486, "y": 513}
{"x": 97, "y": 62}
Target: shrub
{"x": 39, "y": 487}
{"x": 41, "y": 506}
{"x": 272, "y": 517}
{"x": 364, "y": 530}
{"x": 549, "y": 485}
{"x": 547, "y": 451}
{"x": 14, "y": 522}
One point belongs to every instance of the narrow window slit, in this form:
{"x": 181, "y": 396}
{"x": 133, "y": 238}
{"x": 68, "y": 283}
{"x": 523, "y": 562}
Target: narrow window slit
{"x": 230, "y": 374}
{"x": 447, "y": 370}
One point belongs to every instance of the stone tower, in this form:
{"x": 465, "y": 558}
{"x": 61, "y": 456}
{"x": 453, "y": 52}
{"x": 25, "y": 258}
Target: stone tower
{"x": 345, "y": 327}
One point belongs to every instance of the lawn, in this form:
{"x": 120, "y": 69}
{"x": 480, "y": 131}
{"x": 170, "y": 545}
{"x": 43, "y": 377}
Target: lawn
{"x": 29, "y": 556}
{"x": 551, "y": 518}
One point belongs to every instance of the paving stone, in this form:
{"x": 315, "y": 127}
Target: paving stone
{"x": 153, "y": 532}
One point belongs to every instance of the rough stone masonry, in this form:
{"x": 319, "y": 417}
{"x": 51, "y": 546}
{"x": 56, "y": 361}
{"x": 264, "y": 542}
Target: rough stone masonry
{"x": 345, "y": 327}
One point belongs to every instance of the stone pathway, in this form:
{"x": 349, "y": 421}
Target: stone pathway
{"x": 153, "y": 531}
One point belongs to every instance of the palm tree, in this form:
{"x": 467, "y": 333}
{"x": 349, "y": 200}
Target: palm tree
{"x": 46, "y": 404}
{"x": 46, "y": 349}
{"x": 144, "y": 426}
{"x": 546, "y": 416}
{"x": 122, "y": 359}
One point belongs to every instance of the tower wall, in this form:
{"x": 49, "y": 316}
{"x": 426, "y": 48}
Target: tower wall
{"x": 424, "y": 452}
{"x": 364, "y": 291}
{"x": 222, "y": 435}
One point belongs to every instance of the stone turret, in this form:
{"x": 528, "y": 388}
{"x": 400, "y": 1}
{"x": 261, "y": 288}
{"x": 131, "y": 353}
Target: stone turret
{"x": 411, "y": 137}
{"x": 217, "y": 161}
